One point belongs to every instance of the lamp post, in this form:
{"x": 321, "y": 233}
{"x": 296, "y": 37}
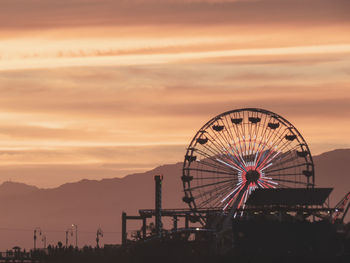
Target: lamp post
{"x": 44, "y": 240}
{"x": 69, "y": 230}
{"x": 99, "y": 234}
{"x": 37, "y": 229}
{"x": 75, "y": 226}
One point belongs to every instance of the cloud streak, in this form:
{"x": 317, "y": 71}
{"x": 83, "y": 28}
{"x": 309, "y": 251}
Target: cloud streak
{"x": 154, "y": 59}
{"x": 22, "y": 14}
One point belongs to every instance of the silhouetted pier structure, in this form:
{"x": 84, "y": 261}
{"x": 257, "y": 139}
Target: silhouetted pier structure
{"x": 280, "y": 205}
{"x": 17, "y": 255}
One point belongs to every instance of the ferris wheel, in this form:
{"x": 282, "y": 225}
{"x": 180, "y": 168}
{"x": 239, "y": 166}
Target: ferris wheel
{"x": 239, "y": 151}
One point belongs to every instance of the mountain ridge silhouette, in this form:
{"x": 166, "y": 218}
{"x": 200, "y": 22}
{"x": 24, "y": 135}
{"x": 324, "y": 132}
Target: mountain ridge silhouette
{"x": 99, "y": 203}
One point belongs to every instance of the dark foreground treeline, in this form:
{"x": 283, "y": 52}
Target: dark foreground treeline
{"x": 250, "y": 241}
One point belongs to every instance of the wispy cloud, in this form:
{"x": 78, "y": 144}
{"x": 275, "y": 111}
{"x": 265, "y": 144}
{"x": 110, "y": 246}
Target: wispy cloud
{"x": 154, "y": 59}
{"x": 102, "y": 88}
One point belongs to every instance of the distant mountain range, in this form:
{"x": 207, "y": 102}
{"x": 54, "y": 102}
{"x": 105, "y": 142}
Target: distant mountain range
{"x": 90, "y": 203}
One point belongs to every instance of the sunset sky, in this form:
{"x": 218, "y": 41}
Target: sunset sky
{"x": 101, "y": 88}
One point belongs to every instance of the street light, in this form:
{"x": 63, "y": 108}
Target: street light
{"x": 44, "y": 240}
{"x": 99, "y": 234}
{"x": 37, "y": 229}
{"x": 75, "y": 226}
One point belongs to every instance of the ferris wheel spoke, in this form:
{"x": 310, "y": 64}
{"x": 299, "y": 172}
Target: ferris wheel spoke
{"x": 278, "y": 134}
{"x": 207, "y": 185}
{"x": 281, "y": 156}
{"x": 225, "y": 133}
{"x": 211, "y": 148}
{"x": 249, "y": 135}
{"x": 234, "y": 151}
{"x": 253, "y": 130}
{"x": 285, "y": 145}
{"x": 283, "y": 160}
{"x": 223, "y": 145}
{"x": 266, "y": 162}
{"x": 239, "y": 169}
{"x": 283, "y": 185}
{"x": 276, "y": 137}
{"x": 290, "y": 181}
{"x": 260, "y": 145}
{"x": 281, "y": 163}
{"x": 212, "y": 198}
{"x": 264, "y": 143}
{"x": 214, "y": 178}
{"x": 216, "y": 165}
{"x": 215, "y": 143}
{"x": 264, "y": 135}
{"x": 218, "y": 150}
{"x": 213, "y": 159}
{"x": 271, "y": 184}
{"x": 233, "y": 193}
{"x": 212, "y": 172}
{"x": 207, "y": 155}
{"x": 274, "y": 147}
{"x": 213, "y": 190}
{"x": 239, "y": 143}
{"x": 230, "y": 133}
{"x": 283, "y": 175}
{"x": 265, "y": 139}
{"x": 256, "y": 138}
{"x": 238, "y": 198}
{"x": 263, "y": 184}
{"x": 286, "y": 168}
{"x": 239, "y": 135}
{"x": 219, "y": 137}
{"x": 287, "y": 153}
{"x": 244, "y": 136}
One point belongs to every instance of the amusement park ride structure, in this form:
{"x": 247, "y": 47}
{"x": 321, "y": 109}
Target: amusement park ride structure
{"x": 240, "y": 164}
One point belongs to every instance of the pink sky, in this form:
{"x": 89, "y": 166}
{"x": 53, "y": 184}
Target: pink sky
{"x": 94, "y": 89}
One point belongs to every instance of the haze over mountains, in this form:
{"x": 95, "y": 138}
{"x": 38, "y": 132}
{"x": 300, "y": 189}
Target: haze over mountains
{"x": 90, "y": 203}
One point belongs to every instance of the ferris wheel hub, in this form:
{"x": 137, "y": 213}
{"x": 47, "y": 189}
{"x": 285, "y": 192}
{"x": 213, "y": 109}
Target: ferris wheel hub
{"x": 252, "y": 176}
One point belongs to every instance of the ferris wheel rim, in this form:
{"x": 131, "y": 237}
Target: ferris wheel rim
{"x": 279, "y": 118}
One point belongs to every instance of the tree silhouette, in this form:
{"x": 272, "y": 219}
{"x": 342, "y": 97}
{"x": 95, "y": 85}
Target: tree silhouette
{"x": 59, "y": 244}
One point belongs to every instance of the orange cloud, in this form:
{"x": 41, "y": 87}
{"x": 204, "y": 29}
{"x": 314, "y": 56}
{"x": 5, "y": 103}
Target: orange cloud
{"x": 107, "y": 87}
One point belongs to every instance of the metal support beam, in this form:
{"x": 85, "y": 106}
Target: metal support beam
{"x": 134, "y": 217}
{"x": 175, "y": 222}
{"x": 187, "y": 219}
{"x": 144, "y": 224}
{"x": 158, "y": 203}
